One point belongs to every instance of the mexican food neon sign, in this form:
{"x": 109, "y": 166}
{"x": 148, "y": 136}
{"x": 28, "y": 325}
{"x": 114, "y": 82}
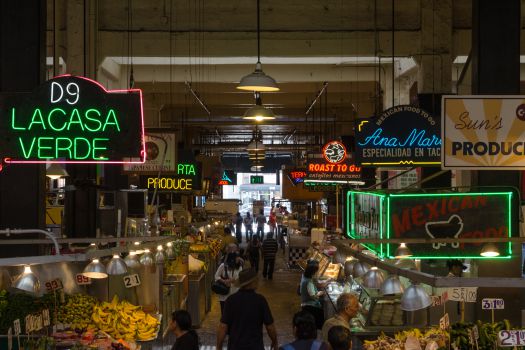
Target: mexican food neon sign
{"x": 73, "y": 119}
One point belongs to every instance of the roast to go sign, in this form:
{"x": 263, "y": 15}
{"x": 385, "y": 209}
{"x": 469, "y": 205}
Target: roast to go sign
{"x": 73, "y": 119}
{"x": 511, "y": 338}
{"x": 483, "y": 132}
{"x": 492, "y": 304}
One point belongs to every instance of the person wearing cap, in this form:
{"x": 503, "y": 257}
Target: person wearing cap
{"x": 245, "y": 313}
{"x": 455, "y": 268}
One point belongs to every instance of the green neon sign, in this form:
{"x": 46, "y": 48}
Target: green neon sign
{"x": 437, "y": 215}
{"x": 73, "y": 120}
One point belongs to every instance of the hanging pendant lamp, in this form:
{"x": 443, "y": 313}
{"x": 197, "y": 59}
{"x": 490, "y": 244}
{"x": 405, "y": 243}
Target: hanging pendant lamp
{"x": 258, "y": 80}
{"x": 258, "y": 112}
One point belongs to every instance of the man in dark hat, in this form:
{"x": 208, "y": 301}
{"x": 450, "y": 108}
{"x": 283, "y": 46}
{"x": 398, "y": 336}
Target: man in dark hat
{"x": 455, "y": 268}
{"x": 245, "y": 313}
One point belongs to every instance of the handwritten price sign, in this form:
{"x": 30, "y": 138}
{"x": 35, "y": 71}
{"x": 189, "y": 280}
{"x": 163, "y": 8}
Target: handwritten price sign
{"x": 492, "y": 304}
{"x": 511, "y": 338}
{"x": 53, "y": 285}
{"x": 444, "y": 322}
{"x": 131, "y": 281}
{"x": 465, "y": 294}
{"x": 82, "y": 280}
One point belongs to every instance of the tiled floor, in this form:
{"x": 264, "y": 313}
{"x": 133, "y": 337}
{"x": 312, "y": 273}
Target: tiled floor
{"x": 282, "y": 298}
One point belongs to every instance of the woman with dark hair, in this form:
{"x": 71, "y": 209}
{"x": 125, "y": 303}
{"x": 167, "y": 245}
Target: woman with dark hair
{"x": 254, "y": 252}
{"x": 180, "y": 325}
{"x": 228, "y": 273}
{"x": 310, "y": 296}
{"x": 305, "y": 332}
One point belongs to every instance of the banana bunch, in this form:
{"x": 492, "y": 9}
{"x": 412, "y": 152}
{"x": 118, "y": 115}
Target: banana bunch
{"x": 77, "y": 311}
{"x": 123, "y": 320}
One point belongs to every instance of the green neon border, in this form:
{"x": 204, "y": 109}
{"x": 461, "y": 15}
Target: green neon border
{"x": 509, "y": 218}
{"x": 350, "y": 218}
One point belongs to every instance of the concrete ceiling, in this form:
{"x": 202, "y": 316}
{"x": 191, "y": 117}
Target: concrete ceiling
{"x": 212, "y": 44}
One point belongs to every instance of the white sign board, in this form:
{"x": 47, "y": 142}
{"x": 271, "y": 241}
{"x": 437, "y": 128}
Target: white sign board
{"x": 492, "y": 304}
{"x": 483, "y": 132}
{"x": 465, "y": 294}
{"x": 444, "y": 322}
{"x": 82, "y": 280}
{"x": 155, "y": 148}
{"x": 511, "y": 338}
{"x": 131, "y": 281}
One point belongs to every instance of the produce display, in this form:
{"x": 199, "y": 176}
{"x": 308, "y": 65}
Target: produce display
{"x": 77, "y": 311}
{"x": 488, "y": 334}
{"x": 123, "y": 320}
{"x": 16, "y": 306}
{"x": 433, "y": 338}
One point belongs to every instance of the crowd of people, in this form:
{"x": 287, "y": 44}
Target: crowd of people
{"x": 245, "y": 313}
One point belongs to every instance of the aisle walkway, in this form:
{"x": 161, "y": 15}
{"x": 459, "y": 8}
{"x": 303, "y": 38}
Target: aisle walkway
{"x": 283, "y": 300}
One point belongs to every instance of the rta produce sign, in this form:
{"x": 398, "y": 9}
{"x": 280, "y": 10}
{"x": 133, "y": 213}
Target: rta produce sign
{"x": 186, "y": 178}
{"x": 400, "y": 136}
{"x": 431, "y": 216}
{"x": 72, "y": 119}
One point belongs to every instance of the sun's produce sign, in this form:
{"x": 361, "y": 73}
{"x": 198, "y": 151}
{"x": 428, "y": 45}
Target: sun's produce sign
{"x": 72, "y": 119}
{"x": 483, "y": 132}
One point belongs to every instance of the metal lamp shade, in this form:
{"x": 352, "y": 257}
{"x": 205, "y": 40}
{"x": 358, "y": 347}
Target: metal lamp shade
{"x": 95, "y": 269}
{"x": 403, "y": 252}
{"x": 489, "y": 250}
{"x": 27, "y": 281}
{"x": 258, "y": 113}
{"x": 407, "y": 264}
{"x": 415, "y": 298}
{"x": 373, "y": 279}
{"x": 258, "y": 81}
{"x": 147, "y": 258}
{"x": 392, "y": 285}
{"x": 116, "y": 266}
{"x": 349, "y": 267}
{"x": 360, "y": 268}
{"x": 159, "y": 257}
{"x": 132, "y": 261}
{"x": 255, "y": 146}
{"x": 170, "y": 252}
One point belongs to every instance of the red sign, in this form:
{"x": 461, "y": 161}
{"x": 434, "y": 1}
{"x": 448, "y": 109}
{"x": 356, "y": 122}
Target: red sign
{"x": 297, "y": 176}
{"x": 334, "y": 152}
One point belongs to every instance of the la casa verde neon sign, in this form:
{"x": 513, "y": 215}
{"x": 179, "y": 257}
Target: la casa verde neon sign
{"x": 72, "y": 119}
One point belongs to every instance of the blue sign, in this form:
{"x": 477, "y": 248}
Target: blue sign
{"x": 400, "y": 136}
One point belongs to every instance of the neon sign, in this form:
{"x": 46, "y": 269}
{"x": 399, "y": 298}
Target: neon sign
{"x": 385, "y": 141}
{"x": 431, "y": 216}
{"x": 228, "y": 178}
{"x": 334, "y": 152}
{"x": 172, "y": 184}
{"x": 297, "y": 176}
{"x": 73, "y": 120}
{"x": 187, "y": 178}
{"x": 256, "y": 179}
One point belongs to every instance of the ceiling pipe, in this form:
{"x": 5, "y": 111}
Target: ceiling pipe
{"x": 197, "y": 97}
{"x": 319, "y": 94}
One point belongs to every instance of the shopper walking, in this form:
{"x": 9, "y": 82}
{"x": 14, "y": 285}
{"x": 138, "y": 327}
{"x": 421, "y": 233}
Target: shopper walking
{"x": 245, "y": 313}
{"x": 269, "y": 250}
{"x": 186, "y": 337}
{"x": 261, "y": 221}
{"x": 254, "y": 252}
{"x": 238, "y": 227}
{"x": 248, "y": 227}
{"x": 347, "y": 306}
{"x": 340, "y": 338}
{"x": 305, "y": 333}
{"x": 272, "y": 221}
{"x": 310, "y": 296}
{"x": 228, "y": 273}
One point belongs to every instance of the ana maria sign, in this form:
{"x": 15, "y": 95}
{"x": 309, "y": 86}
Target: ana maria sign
{"x": 72, "y": 120}
{"x": 400, "y": 136}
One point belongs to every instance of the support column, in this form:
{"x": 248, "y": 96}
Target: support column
{"x": 22, "y": 68}
{"x": 496, "y": 70}
{"x": 434, "y": 77}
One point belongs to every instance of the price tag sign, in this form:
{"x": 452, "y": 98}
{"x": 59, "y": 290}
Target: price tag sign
{"x": 29, "y": 324}
{"x": 53, "y": 285}
{"x": 16, "y": 326}
{"x": 475, "y": 332}
{"x": 131, "y": 281}
{"x": 9, "y": 339}
{"x": 465, "y": 294}
{"x": 82, "y": 280}
{"x": 46, "y": 320}
{"x": 511, "y": 338}
{"x": 38, "y": 322}
{"x": 436, "y": 300}
{"x": 492, "y": 304}
{"x": 444, "y": 322}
